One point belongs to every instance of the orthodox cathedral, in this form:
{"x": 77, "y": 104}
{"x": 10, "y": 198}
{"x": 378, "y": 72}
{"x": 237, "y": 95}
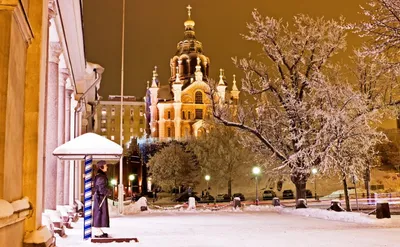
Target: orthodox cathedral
{"x": 176, "y": 109}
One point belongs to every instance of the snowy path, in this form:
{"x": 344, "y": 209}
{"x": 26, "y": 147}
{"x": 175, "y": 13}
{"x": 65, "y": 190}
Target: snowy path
{"x": 252, "y": 228}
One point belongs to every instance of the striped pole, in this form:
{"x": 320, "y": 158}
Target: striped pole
{"x": 87, "y": 223}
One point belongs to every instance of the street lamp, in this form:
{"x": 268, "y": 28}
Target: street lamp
{"x": 314, "y": 172}
{"x": 131, "y": 178}
{"x": 256, "y": 172}
{"x": 207, "y": 178}
{"x": 114, "y": 183}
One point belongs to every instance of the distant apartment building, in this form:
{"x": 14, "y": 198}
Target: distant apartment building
{"x": 108, "y": 117}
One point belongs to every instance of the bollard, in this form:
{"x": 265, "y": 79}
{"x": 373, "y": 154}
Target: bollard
{"x": 336, "y": 206}
{"x": 236, "y": 202}
{"x": 382, "y": 210}
{"x": 276, "y": 202}
{"x": 301, "y": 203}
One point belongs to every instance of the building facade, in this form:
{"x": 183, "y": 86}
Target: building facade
{"x": 176, "y": 109}
{"x": 108, "y": 119}
{"x": 47, "y": 90}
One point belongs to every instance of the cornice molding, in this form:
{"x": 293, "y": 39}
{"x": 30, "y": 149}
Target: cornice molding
{"x": 21, "y": 18}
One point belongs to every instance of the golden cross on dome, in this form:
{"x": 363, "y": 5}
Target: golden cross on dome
{"x": 189, "y": 8}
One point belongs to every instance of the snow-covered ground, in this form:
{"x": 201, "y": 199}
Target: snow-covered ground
{"x": 252, "y": 226}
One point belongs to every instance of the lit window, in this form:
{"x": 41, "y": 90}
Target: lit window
{"x": 199, "y": 113}
{"x": 104, "y": 111}
{"x": 198, "y": 98}
{"x": 113, "y": 112}
{"x": 103, "y": 121}
{"x": 131, "y": 130}
{"x": 112, "y": 138}
{"x": 103, "y": 129}
{"x": 141, "y": 129}
{"x": 141, "y": 113}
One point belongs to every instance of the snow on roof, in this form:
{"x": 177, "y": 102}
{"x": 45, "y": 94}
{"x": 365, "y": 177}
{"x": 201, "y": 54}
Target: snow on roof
{"x": 6, "y": 209}
{"x": 21, "y": 204}
{"x": 88, "y": 144}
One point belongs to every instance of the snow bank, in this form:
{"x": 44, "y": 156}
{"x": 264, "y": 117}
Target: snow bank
{"x": 22, "y": 204}
{"x": 329, "y": 215}
{"x": 42, "y": 235}
{"x": 6, "y": 209}
{"x": 135, "y": 207}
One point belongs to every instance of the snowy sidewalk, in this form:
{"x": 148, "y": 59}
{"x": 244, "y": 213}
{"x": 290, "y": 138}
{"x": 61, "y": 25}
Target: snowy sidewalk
{"x": 256, "y": 226}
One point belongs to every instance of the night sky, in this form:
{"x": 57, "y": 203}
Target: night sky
{"x": 154, "y": 27}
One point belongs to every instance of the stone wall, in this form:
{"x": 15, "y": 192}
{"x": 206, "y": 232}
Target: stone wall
{"x": 19, "y": 73}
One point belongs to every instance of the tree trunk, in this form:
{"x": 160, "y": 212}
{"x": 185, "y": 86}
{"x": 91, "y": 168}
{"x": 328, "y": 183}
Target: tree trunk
{"x": 300, "y": 181}
{"x": 346, "y": 194}
{"x": 230, "y": 187}
{"x": 367, "y": 178}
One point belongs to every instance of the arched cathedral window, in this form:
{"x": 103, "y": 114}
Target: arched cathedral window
{"x": 198, "y": 98}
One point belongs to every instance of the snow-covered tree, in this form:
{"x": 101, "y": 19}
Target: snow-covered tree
{"x": 377, "y": 79}
{"x": 173, "y": 166}
{"x": 349, "y": 133}
{"x": 382, "y": 27}
{"x": 282, "y": 92}
{"x": 221, "y": 155}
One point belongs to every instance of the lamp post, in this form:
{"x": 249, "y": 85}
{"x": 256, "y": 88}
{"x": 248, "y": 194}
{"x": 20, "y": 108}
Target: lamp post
{"x": 256, "y": 172}
{"x": 207, "y": 178}
{"x": 114, "y": 183}
{"x": 131, "y": 178}
{"x": 314, "y": 172}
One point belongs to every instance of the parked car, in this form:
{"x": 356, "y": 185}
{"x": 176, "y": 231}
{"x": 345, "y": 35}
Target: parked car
{"x": 240, "y": 195}
{"x": 207, "y": 199}
{"x": 223, "y": 198}
{"x": 288, "y": 194}
{"x": 268, "y": 195}
{"x": 184, "y": 197}
{"x": 309, "y": 194}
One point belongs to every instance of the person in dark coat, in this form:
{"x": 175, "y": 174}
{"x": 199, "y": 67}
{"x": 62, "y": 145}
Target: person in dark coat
{"x": 101, "y": 216}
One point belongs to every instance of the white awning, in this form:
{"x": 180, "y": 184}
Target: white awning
{"x": 89, "y": 144}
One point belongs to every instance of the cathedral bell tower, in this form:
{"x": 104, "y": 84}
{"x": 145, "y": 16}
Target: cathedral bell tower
{"x": 153, "y": 103}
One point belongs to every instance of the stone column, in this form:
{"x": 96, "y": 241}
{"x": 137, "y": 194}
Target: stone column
{"x": 161, "y": 122}
{"x": 51, "y": 132}
{"x": 69, "y": 167}
{"x": 63, "y": 168}
{"x": 177, "y": 120}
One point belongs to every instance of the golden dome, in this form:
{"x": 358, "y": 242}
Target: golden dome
{"x": 189, "y": 23}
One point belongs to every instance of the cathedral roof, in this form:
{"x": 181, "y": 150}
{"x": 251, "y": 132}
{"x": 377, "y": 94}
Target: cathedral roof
{"x": 189, "y": 44}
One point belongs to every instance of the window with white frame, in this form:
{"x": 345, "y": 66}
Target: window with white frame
{"x": 112, "y": 138}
